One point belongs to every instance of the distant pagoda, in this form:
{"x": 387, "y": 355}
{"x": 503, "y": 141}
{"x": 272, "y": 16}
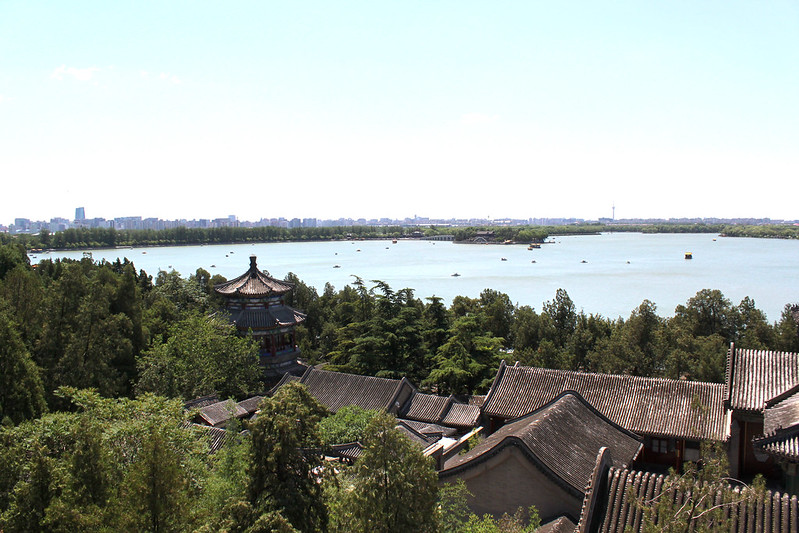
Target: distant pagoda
{"x": 256, "y": 305}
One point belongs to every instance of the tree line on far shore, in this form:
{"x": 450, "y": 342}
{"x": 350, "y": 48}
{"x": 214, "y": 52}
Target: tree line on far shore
{"x": 91, "y": 238}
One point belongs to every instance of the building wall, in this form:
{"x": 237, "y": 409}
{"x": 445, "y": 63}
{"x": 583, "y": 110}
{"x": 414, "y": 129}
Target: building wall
{"x": 509, "y": 480}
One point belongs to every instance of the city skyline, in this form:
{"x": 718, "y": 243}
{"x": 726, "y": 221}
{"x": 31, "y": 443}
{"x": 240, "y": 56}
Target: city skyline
{"x": 54, "y": 224}
{"x": 451, "y": 109}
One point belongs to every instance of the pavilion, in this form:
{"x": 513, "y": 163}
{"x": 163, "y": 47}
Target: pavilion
{"x": 255, "y": 302}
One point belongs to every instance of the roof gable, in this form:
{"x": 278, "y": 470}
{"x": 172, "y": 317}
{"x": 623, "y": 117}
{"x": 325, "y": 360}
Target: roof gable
{"x": 562, "y": 438}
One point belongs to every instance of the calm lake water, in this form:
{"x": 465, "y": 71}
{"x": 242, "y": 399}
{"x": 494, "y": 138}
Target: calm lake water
{"x": 608, "y": 274}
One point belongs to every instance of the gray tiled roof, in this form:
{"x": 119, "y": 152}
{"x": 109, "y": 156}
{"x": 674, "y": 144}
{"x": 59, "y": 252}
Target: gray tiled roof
{"x": 651, "y": 406}
{"x": 619, "y": 490}
{"x": 266, "y": 317}
{"x": 440, "y": 410}
{"x": 250, "y": 405}
{"x": 215, "y": 437}
{"x": 461, "y": 415}
{"x": 781, "y": 427}
{"x": 783, "y": 444}
{"x": 417, "y": 437}
{"x": 220, "y": 412}
{"x": 426, "y": 428}
{"x": 562, "y": 438}
{"x": 756, "y": 376}
{"x": 335, "y": 390}
{"x": 426, "y": 407}
{"x": 253, "y": 284}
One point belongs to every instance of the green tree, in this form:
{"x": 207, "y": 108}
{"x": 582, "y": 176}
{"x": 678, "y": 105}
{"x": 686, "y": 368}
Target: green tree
{"x": 752, "y": 329}
{"x": 21, "y": 390}
{"x": 436, "y": 322}
{"x": 11, "y": 256}
{"x": 562, "y": 316}
{"x": 393, "y": 486}
{"x": 127, "y": 465}
{"x": 22, "y": 288}
{"x": 81, "y": 492}
{"x": 155, "y": 492}
{"x": 499, "y": 314}
{"x": 467, "y": 361}
{"x": 633, "y": 347}
{"x": 707, "y": 313}
{"x": 201, "y": 355}
{"x": 284, "y": 459}
{"x": 787, "y": 329}
{"x": 348, "y": 424}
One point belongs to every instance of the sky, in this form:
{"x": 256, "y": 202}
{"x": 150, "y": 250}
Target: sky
{"x": 443, "y": 109}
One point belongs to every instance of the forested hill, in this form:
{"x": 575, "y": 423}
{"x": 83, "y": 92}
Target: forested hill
{"x": 88, "y": 238}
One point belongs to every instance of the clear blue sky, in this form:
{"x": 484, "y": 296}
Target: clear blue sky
{"x": 522, "y": 109}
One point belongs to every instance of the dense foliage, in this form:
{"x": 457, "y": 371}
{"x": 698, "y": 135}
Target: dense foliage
{"x": 120, "y": 331}
{"x": 376, "y": 330}
{"x": 392, "y": 487}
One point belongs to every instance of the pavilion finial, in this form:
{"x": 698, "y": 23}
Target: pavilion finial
{"x": 252, "y": 261}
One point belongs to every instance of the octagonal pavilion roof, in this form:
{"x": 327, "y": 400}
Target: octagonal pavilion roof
{"x": 253, "y": 284}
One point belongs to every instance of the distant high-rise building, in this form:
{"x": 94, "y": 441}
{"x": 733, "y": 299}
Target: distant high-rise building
{"x": 80, "y": 213}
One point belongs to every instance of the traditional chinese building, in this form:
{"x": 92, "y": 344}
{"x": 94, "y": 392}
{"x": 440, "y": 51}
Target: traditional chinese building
{"x": 673, "y": 416}
{"x": 256, "y": 305}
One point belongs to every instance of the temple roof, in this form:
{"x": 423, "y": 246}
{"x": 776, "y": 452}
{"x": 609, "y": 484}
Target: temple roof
{"x": 215, "y": 437}
{"x": 562, "y": 438}
{"x": 615, "y": 505}
{"x": 756, "y": 376}
{"x": 440, "y": 410}
{"x": 335, "y": 390}
{"x": 273, "y": 316}
{"x": 253, "y": 284}
{"x": 218, "y": 413}
{"x": 651, "y": 406}
{"x": 781, "y": 427}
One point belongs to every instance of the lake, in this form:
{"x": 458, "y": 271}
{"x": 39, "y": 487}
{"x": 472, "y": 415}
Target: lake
{"x": 608, "y": 274}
